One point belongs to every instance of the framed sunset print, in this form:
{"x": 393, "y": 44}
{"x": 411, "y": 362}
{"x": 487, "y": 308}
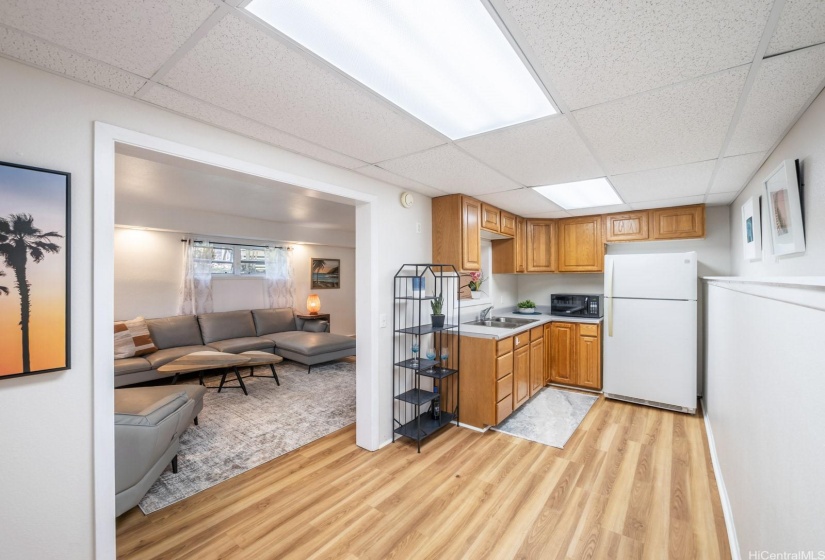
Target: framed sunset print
{"x": 34, "y": 270}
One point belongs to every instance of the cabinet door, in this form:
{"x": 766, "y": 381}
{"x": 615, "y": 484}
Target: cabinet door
{"x": 631, "y": 226}
{"x": 682, "y": 222}
{"x": 471, "y": 234}
{"x": 562, "y": 360}
{"x": 490, "y": 217}
{"x": 521, "y": 371}
{"x": 521, "y": 244}
{"x": 508, "y": 223}
{"x": 548, "y": 351}
{"x": 589, "y": 357}
{"x": 536, "y": 366}
{"x": 581, "y": 247}
{"x": 541, "y": 246}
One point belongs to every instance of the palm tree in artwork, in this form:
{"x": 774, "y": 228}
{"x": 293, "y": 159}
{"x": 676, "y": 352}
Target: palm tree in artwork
{"x": 3, "y": 290}
{"x": 19, "y": 240}
{"x": 317, "y": 266}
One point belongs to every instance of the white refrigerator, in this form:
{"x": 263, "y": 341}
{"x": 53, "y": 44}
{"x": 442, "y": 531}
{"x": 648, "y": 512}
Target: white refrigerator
{"x": 650, "y": 352}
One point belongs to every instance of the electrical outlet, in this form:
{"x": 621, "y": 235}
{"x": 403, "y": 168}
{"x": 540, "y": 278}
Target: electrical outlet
{"x": 382, "y": 320}
{"x": 417, "y": 227}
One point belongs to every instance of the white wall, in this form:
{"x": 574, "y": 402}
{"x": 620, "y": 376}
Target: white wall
{"x": 46, "y": 485}
{"x": 806, "y": 142}
{"x": 149, "y": 266}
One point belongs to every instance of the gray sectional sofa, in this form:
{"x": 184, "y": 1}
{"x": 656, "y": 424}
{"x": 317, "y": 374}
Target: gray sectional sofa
{"x": 271, "y": 330}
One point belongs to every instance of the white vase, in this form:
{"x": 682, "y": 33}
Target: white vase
{"x": 475, "y": 295}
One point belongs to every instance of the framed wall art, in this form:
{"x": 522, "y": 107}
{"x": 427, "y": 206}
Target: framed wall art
{"x": 34, "y": 270}
{"x": 325, "y": 274}
{"x": 752, "y": 229}
{"x": 785, "y": 210}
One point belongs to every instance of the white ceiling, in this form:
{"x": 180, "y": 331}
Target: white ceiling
{"x": 674, "y": 101}
{"x": 149, "y": 179}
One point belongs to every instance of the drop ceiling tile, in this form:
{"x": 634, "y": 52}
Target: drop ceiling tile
{"x": 721, "y": 199}
{"x": 197, "y": 109}
{"x": 735, "y": 171}
{"x": 783, "y": 86}
{"x": 600, "y": 210}
{"x": 383, "y": 175}
{"x": 667, "y": 203}
{"x": 522, "y": 202}
{"x": 135, "y": 36}
{"x": 31, "y": 50}
{"x": 451, "y": 170}
{"x": 239, "y": 67}
{"x": 801, "y": 24}
{"x": 679, "y": 124}
{"x": 542, "y": 152}
{"x": 549, "y": 215}
{"x": 668, "y": 182}
{"x": 594, "y": 52}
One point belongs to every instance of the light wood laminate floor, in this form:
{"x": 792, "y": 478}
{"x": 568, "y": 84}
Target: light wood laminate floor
{"x": 632, "y": 482}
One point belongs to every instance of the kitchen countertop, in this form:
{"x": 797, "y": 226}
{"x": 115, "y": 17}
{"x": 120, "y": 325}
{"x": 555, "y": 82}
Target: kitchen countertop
{"x": 498, "y": 333}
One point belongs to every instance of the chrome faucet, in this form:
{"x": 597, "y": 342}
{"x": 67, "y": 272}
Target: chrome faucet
{"x": 483, "y": 315}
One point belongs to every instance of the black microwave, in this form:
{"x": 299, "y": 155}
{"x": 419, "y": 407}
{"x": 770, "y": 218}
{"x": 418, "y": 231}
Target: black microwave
{"x": 577, "y": 305}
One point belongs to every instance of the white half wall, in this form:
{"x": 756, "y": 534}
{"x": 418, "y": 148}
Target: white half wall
{"x": 149, "y": 267}
{"x": 46, "y": 475}
{"x": 763, "y": 400}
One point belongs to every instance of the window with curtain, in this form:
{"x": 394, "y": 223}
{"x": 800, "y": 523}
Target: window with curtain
{"x": 196, "y": 288}
{"x": 280, "y": 284}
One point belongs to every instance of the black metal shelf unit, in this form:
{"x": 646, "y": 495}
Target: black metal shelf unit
{"x": 425, "y": 388}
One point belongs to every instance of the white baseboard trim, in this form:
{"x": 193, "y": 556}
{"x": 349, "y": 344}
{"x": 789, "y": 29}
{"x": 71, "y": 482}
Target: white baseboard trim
{"x": 482, "y": 430}
{"x": 723, "y": 491}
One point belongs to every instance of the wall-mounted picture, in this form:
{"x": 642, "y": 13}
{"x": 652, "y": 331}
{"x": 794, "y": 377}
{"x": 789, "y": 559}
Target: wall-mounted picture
{"x": 34, "y": 270}
{"x": 752, "y": 229}
{"x": 785, "y": 210}
{"x": 325, "y": 274}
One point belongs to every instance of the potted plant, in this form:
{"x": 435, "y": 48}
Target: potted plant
{"x": 437, "y": 317}
{"x": 476, "y": 280}
{"x": 526, "y": 306}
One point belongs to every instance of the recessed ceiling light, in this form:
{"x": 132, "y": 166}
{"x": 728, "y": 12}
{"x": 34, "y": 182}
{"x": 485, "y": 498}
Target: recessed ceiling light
{"x": 445, "y": 62}
{"x": 581, "y": 194}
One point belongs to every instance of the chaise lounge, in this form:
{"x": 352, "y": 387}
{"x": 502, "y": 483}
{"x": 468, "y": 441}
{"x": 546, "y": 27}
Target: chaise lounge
{"x": 270, "y": 330}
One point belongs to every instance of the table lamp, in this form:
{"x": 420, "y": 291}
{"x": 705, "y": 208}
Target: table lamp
{"x": 313, "y": 304}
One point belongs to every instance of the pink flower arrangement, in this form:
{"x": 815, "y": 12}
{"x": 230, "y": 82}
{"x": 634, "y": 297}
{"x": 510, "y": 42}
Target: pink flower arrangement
{"x": 476, "y": 280}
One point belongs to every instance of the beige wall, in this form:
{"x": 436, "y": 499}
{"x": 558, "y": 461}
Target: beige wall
{"x": 149, "y": 267}
{"x": 46, "y": 478}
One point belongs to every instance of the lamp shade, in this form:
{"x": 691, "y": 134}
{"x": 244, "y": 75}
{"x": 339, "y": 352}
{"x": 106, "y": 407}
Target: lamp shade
{"x": 313, "y": 304}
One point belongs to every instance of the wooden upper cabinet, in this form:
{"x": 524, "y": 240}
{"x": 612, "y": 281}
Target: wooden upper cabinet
{"x": 457, "y": 231}
{"x": 581, "y": 247}
{"x": 630, "y": 226}
{"x": 541, "y": 246}
{"x": 521, "y": 244}
{"x": 681, "y": 222}
{"x": 490, "y": 218}
{"x": 510, "y": 255}
{"x": 507, "y": 223}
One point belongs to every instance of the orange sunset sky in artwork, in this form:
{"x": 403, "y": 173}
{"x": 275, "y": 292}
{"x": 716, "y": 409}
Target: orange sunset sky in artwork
{"x": 43, "y": 195}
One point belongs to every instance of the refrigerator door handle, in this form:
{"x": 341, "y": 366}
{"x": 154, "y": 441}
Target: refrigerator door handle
{"x": 610, "y": 297}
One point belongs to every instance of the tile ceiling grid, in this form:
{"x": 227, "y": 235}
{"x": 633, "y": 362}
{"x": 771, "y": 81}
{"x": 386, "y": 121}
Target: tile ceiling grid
{"x": 767, "y": 33}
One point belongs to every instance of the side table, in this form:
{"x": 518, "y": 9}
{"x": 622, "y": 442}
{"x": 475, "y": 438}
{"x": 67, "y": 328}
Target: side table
{"x": 318, "y": 317}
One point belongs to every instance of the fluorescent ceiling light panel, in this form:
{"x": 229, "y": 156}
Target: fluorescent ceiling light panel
{"x": 446, "y": 62}
{"x": 581, "y": 194}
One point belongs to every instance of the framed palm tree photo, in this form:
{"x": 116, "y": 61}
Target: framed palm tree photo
{"x": 325, "y": 274}
{"x": 34, "y": 270}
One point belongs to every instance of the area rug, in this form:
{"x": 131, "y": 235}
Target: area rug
{"x": 550, "y": 417}
{"x": 238, "y": 432}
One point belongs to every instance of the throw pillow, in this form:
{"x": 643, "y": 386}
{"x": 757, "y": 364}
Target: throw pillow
{"x": 139, "y": 340}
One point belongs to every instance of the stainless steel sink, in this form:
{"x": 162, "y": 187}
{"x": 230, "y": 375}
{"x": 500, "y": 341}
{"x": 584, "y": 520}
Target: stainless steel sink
{"x": 502, "y": 322}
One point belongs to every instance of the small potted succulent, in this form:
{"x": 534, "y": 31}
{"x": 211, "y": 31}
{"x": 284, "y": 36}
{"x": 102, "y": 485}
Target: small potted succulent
{"x": 476, "y": 280}
{"x": 437, "y": 305}
{"x": 527, "y": 306}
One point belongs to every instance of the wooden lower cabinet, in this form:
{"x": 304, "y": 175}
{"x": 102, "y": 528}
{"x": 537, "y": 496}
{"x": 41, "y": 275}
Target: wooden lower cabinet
{"x": 575, "y": 354}
{"x": 521, "y": 375}
{"x": 537, "y": 375}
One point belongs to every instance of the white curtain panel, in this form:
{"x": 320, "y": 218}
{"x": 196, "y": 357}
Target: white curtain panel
{"x": 280, "y": 284}
{"x": 196, "y": 289}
